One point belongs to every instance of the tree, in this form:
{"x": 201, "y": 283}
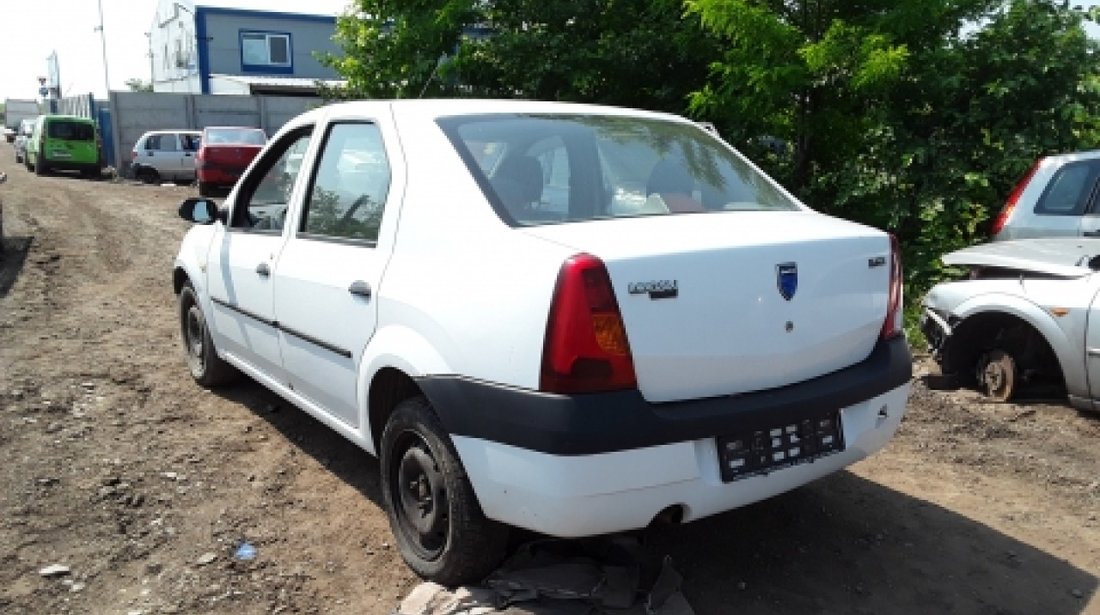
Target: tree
{"x": 137, "y": 85}
{"x": 626, "y": 52}
{"x": 916, "y": 116}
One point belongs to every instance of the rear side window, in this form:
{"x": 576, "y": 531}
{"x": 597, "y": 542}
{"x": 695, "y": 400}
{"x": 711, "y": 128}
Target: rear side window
{"x": 1069, "y": 190}
{"x": 70, "y": 131}
{"x": 351, "y": 185}
{"x": 546, "y": 169}
{"x": 163, "y": 143}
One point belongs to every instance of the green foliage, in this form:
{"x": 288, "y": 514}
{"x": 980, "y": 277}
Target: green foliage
{"x": 136, "y": 84}
{"x": 906, "y": 116}
{"x": 639, "y": 53}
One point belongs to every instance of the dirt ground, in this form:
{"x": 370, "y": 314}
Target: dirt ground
{"x": 116, "y": 466}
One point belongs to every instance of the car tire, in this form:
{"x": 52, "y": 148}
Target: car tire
{"x": 40, "y": 167}
{"x": 206, "y": 189}
{"x": 207, "y": 368}
{"x": 437, "y": 522}
{"x": 148, "y": 175}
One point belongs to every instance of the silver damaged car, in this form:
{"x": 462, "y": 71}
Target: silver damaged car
{"x": 1024, "y": 320}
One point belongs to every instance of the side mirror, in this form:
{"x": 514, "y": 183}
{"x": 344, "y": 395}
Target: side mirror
{"x": 200, "y": 211}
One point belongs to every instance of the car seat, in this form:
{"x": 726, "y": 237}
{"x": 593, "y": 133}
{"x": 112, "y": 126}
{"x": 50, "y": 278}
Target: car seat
{"x": 518, "y": 184}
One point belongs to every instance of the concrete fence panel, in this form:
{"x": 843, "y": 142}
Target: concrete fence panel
{"x": 135, "y": 113}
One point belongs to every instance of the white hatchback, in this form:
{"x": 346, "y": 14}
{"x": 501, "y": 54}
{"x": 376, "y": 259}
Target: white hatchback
{"x": 567, "y": 318}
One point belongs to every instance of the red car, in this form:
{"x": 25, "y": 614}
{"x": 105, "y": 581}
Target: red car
{"x": 225, "y": 153}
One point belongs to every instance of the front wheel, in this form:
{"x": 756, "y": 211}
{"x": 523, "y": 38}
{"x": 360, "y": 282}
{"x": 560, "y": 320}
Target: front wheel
{"x": 206, "y": 189}
{"x": 40, "y": 166}
{"x": 433, "y": 512}
{"x": 207, "y": 368}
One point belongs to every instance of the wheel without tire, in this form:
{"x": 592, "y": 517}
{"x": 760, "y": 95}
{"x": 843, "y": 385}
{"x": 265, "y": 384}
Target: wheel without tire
{"x": 435, "y": 517}
{"x": 207, "y": 368}
{"x": 997, "y": 375}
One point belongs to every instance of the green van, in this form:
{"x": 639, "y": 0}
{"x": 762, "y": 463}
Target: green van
{"x": 64, "y": 143}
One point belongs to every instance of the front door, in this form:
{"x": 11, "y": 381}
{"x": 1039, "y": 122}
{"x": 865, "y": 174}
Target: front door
{"x": 243, "y": 261}
{"x": 327, "y": 278}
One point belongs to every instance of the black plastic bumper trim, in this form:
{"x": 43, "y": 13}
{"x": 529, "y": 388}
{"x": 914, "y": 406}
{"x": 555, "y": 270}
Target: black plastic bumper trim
{"x": 622, "y": 420}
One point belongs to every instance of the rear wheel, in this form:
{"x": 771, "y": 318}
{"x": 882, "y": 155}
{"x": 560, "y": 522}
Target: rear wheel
{"x": 207, "y": 368}
{"x": 148, "y": 175}
{"x": 40, "y": 166}
{"x": 205, "y": 189}
{"x": 435, "y": 517}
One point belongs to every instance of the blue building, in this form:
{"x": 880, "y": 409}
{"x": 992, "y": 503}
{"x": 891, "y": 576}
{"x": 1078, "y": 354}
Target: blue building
{"x": 199, "y": 49}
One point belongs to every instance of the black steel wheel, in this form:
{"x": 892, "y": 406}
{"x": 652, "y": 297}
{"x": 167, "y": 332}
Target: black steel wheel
{"x": 436, "y": 520}
{"x": 207, "y": 368}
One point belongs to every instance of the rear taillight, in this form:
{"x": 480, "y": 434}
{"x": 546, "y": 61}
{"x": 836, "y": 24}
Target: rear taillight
{"x": 893, "y": 324}
{"x": 586, "y": 349}
{"x": 1010, "y": 205}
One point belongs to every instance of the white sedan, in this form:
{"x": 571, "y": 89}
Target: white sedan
{"x": 1024, "y": 319}
{"x": 567, "y": 318}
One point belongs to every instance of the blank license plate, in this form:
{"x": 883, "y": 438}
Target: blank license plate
{"x": 761, "y": 451}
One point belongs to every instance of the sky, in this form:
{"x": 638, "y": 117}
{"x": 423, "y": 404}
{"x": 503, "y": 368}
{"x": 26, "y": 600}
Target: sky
{"x": 33, "y": 29}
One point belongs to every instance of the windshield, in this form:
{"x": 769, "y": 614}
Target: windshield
{"x": 545, "y": 169}
{"x": 235, "y": 136}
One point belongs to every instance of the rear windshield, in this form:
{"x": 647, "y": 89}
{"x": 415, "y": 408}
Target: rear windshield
{"x": 545, "y": 169}
{"x": 235, "y": 136}
{"x": 70, "y": 131}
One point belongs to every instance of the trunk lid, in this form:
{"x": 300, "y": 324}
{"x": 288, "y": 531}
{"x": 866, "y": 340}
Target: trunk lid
{"x": 726, "y": 328}
{"x": 232, "y": 155}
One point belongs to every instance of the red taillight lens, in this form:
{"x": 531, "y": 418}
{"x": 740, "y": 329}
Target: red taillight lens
{"x": 586, "y": 349}
{"x": 893, "y": 324}
{"x": 1010, "y": 205}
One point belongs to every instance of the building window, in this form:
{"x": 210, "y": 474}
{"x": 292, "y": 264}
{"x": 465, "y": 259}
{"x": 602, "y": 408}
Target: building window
{"x": 265, "y": 50}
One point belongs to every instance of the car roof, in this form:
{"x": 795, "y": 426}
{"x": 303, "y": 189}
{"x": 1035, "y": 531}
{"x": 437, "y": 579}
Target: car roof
{"x": 1073, "y": 156}
{"x": 452, "y": 107}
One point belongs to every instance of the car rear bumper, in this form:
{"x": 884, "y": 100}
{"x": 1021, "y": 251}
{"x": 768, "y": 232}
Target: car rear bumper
{"x": 586, "y": 495}
{"x": 575, "y": 465}
{"x": 55, "y": 164}
{"x": 219, "y": 175}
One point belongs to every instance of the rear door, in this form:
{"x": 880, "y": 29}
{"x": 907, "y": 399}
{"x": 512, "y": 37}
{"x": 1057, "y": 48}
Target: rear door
{"x": 70, "y": 140}
{"x": 327, "y": 277}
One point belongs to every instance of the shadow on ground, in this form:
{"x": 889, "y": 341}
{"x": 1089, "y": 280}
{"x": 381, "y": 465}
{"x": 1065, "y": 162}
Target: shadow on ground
{"x": 12, "y": 258}
{"x": 841, "y": 545}
{"x": 849, "y": 545}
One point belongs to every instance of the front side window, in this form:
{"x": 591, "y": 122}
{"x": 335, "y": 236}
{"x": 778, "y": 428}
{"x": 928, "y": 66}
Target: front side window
{"x": 265, "y": 49}
{"x": 539, "y": 169}
{"x": 265, "y": 194}
{"x": 352, "y": 182}
{"x": 1069, "y": 190}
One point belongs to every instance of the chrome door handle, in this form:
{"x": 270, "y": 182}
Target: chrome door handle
{"x": 263, "y": 269}
{"x": 360, "y": 288}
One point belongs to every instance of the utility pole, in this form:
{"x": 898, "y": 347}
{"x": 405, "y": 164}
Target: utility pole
{"x": 103, "y": 45}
